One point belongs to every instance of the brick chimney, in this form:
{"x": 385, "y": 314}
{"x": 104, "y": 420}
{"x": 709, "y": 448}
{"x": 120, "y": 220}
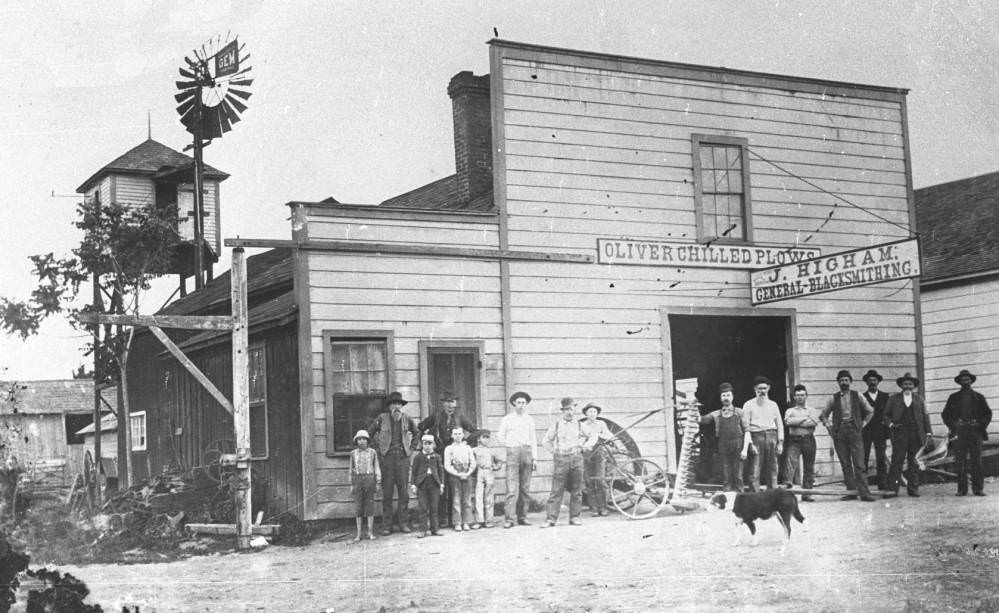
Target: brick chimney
{"x": 473, "y": 142}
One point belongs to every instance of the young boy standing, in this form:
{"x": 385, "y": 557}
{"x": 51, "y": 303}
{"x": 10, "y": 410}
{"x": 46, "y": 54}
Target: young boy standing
{"x": 365, "y": 477}
{"x": 486, "y": 462}
{"x": 459, "y": 462}
{"x": 427, "y": 484}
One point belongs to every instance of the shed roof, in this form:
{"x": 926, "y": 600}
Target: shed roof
{"x": 109, "y": 423}
{"x": 147, "y": 158}
{"x": 46, "y": 397}
{"x": 958, "y": 225}
{"x": 274, "y": 312}
{"x": 441, "y": 194}
{"x": 264, "y": 270}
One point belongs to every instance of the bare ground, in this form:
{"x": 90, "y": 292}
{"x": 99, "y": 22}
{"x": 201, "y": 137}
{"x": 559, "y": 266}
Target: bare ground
{"x": 937, "y": 552}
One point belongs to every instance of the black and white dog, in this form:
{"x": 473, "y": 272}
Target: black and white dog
{"x": 749, "y": 507}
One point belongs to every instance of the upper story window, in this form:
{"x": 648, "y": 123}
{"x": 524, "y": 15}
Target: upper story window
{"x": 137, "y": 423}
{"x": 259, "y": 440}
{"x": 721, "y": 189}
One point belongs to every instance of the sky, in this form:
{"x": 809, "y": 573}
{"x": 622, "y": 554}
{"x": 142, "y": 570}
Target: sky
{"x": 350, "y": 101}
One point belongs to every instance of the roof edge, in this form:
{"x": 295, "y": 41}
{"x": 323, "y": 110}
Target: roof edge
{"x": 895, "y": 92}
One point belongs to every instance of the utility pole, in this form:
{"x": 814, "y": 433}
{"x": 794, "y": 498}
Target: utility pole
{"x": 241, "y": 399}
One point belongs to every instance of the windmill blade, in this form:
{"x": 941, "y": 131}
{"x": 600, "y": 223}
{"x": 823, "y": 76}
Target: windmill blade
{"x": 184, "y": 95}
{"x": 230, "y": 114}
{"x": 242, "y": 83}
{"x": 185, "y": 84}
{"x": 239, "y": 106}
{"x": 185, "y": 107}
{"x": 187, "y": 74}
{"x": 223, "y": 118}
{"x": 242, "y": 94}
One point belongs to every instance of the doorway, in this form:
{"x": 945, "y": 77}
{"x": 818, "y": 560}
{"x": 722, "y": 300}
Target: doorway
{"x": 452, "y": 367}
{"x": 734, "y": 347}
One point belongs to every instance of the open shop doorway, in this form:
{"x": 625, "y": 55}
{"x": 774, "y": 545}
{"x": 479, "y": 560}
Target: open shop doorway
{"x": 733, "y": 348}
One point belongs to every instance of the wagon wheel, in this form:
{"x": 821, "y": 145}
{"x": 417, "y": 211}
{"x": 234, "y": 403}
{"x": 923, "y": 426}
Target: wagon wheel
{"x": 211, "y": 460}
{"x": 638, "y": 487}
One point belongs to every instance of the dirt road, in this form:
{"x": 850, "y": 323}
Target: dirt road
{"x": 937, "y": 552}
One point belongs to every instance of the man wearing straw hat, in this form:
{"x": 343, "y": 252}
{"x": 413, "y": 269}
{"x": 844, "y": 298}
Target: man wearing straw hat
{"x": 967, "y": 415}
{"x": 909, "y": 424}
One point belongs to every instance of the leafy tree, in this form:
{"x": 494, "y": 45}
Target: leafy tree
{"x": 124, "y": 247}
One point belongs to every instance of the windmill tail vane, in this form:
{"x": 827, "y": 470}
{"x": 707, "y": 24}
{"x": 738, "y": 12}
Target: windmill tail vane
{"x": 216, "y": 87}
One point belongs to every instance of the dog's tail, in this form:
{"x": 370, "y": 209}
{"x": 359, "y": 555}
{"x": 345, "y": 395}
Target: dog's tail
{"x": 797, "y": 514}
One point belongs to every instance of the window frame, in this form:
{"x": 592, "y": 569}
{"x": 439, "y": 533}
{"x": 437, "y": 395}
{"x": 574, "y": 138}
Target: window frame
{"x": 145, "y": 431}
{"x": 328, "y": 336}
{"x": 697, "y": 140}
{"x": 267, "y": 431}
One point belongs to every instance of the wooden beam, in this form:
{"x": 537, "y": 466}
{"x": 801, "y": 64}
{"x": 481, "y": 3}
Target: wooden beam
{"x": 230, "y": 529}
{"x": 187, "y": 322}
{"x": 191, "y": 368}
{"x": 401, "y": 249}
{"x": 241, "y": 397}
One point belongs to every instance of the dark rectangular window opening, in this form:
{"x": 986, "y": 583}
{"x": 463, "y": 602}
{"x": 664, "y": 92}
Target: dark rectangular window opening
{"x": 358, "y": 374}
{"x": 74, "y": 423}
{"x": 259, "y": 441}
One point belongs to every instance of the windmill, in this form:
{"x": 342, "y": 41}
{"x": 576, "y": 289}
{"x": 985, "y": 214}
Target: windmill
{"x": 210, "y": 101}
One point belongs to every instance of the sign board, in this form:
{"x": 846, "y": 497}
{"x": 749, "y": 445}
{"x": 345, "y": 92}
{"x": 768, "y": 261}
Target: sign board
{"x": 877, "y": 264}
{"x": 227, "y": 60}
{"x": 697, "y": 255}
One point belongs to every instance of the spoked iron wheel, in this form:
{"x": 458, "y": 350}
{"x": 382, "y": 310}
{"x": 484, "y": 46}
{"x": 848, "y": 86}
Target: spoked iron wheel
{"x": 212, "y": 459}
{"x": 638, "y": 488}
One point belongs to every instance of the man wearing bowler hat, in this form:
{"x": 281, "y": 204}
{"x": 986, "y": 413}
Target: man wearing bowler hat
{"x": 909, "y": 424}
{"x": 849, "y": 413}
{"x": 967, "y": 416}
{"x": 395, "y": 434}
{"x": 761, "y": 419}
{"x": 876, "y": 431}
{"x": 517, "y": 433}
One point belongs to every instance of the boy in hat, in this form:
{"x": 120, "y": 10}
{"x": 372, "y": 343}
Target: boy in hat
{"x": 967, "y": 416}
{"x": 486, "y": 462}
{"x": 395, "y": 434}
{"x": 365, "y": 476}
{"x": 876, "y": 431}
{"x": 427, "y": 484}
{"x": 459, "y": 463}
{"x": 850, "y": 413}
{"x": 761, "y": 418}
{"x": 733, "y": 440}
{"x": 909, "y": 424}
{"x": 440, "y": 425}
{"x": 517, "y": 433}
{"x": 595, "y": 431}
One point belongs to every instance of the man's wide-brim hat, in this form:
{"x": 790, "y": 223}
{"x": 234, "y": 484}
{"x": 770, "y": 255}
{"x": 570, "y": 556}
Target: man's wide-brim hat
{"x": 362, "y": 434}
{"x": 907, "y": 377}
{"x": 396, "y": 398}
{"x": 516, "y": 395}
{"x": 872, "y": 373}
{"x": 761, "y": 380}
{"x": 568, "y": 402}
{"x": 844, "y": 373}
{"x": 592, "y": 406}
{"x": 964, "y": 373}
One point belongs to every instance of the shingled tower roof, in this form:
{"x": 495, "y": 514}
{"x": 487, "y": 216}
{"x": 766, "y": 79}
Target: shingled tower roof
{"x": 148, "y": 159}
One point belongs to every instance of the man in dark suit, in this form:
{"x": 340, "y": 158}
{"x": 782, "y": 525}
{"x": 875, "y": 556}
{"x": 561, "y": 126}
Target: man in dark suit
{"x": 876, "y": 431}
{"x": 967, "y": 416}
{"x": 427, "y": 483}
{"x": 909, "y": 424}
{"x": 440, "y": 425}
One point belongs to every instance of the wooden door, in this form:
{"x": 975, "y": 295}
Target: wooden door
{"x": 455, "y": 370}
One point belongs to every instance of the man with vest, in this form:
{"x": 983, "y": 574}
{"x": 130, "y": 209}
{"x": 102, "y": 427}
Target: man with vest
{"x": 967, "y": 415}
{"x": 876, "y": 431}
{"x": 394, "y": 434}
{"x": 909, "y": 424}
{"x": 845, "y": 416}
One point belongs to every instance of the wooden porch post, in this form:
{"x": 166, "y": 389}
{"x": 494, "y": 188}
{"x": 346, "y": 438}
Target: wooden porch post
{"x": 241, "y": 398}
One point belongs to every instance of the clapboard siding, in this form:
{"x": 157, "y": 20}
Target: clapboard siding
{"x": 594, "y": 153}
{"x": 129, "y": 190}
{"x": 961, "y": 330}
{"x": 416, "y": 298}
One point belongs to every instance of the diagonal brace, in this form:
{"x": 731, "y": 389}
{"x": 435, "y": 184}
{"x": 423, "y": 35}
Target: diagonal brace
{"x": 191, "y": 368}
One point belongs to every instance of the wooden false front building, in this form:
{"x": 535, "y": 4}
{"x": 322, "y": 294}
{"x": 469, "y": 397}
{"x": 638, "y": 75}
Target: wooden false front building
{"x": 596, "y": 241}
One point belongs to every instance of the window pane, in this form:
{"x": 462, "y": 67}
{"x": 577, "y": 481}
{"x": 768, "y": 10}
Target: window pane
{"x": 710, "y": 216}
{"x": 706, "y": 157}
{"x": 258, "y": 430}
{"x": 358, "y": 357}
{"x": 339, "y": 358}
{"x": 258, "y": 375}
{"x": 718, "y": 155}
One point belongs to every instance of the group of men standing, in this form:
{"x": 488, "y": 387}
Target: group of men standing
{"x": 856, "y": 422}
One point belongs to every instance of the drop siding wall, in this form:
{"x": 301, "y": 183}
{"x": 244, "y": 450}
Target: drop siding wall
{"x": 415, "y": 298}
{"x": 960, "y": 331}
{"x": 600, "y": 147}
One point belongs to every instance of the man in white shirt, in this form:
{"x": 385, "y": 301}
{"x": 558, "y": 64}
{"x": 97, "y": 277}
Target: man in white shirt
{"x": 517, "y": 433}
{"x": 761, "y": 418}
